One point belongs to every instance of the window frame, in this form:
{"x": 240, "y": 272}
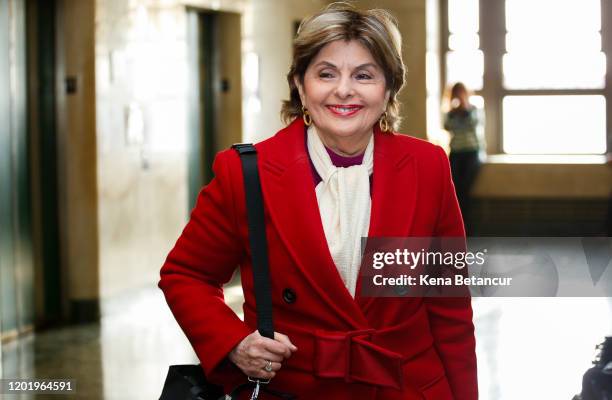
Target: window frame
{"x": 492, "y": 32}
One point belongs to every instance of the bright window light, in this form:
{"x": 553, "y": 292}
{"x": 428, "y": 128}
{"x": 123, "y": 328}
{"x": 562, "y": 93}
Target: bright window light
{"x": 466, "y": 67}
{"x": 553, "y": 44}
{"x": 556, "y": 124}
{"x": 463, "y": 16}
{"x": 468, "y": 41}
{"x": 465, "y": 62}
{"x": 558, "y": 15}
{"x": 556, "y": 71}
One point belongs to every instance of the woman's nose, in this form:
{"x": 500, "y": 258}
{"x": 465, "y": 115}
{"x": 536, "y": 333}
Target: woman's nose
{"x": 345, "y": 88}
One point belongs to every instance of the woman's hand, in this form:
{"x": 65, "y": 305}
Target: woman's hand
{"x": 252, "y": 354}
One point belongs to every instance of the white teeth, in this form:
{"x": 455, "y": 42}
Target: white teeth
{"x": 344, "y": 109}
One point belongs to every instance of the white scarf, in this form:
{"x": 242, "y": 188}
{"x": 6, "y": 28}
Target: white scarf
{"x": 344, "y": 202}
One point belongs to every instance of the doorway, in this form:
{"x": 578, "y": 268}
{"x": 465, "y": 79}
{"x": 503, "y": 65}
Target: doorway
{"x": 215, "y": 91}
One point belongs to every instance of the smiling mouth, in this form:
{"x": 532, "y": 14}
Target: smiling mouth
{"x": 344, "y": 110}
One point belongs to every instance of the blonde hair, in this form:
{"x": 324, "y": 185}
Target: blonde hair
{"x": 376, "y": 29}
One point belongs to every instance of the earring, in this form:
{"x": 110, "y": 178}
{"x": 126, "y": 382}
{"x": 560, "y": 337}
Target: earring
{"x": 383, "y": 123}
{"x": 306, "y": 116}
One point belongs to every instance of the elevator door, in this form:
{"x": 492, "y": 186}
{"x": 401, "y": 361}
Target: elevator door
{"x": 215, "y": 91}
{"x": 16, "y": 270}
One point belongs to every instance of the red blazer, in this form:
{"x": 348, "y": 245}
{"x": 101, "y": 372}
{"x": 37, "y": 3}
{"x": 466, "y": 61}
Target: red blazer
{"x": 362, "y": 348}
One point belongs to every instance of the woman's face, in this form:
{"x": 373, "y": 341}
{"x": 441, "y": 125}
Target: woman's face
{"x": 344, "y": 90}
{"x": 461, "y": 98}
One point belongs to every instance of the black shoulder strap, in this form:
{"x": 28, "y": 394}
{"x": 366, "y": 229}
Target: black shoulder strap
{"x": 257, "y": 238}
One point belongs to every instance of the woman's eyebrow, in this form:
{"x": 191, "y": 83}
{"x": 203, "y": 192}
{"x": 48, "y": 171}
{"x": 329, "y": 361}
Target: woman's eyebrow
{"x": 362, "y": 66}
{"x": 367, "y": 65}
{"x": 325, "y": 63}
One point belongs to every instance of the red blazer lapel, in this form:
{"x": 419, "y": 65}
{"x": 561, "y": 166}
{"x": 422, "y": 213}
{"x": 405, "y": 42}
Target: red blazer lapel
{"x": 288, "y": 190}
{"x": 394, "y": 191}
{"x": 394, "y": 188}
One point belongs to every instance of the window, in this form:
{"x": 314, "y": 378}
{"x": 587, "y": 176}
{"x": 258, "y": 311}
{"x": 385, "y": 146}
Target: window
{"x": 553, "y": 44}
{"x": 464, "y": 60}
{"x": 554, "y": 124}
{"x": 544, "y": 86}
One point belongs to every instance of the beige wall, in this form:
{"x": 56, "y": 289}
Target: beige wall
{"x": 552, "y": 181}
{"x": 141, "y": 97}
{"x": 268, "y": 32}
{"x": 237, "y": 6}
{"x": 76, "y": 149}
{"x": 142, "y": 103}
{"x": 411, "y": 17}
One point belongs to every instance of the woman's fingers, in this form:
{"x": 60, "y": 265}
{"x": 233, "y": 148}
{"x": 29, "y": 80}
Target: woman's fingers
{"x": 281, "y": 345}
{"x": 276, "y": 347}
{"x": 275, "y": 366}
{"x": 285, "y": 339}
{"x": 257, "y": 369}
{"x": 261, "y": 353}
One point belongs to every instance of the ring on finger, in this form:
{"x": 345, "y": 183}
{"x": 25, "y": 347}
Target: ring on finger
{"x": 268, "y": 367}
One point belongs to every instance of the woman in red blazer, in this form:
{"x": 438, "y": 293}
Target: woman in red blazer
{"x": 336, "y": 173}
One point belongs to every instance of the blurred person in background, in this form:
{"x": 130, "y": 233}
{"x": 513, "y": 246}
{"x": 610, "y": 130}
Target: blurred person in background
{"x": 462, "y": 122}
{"x": 336, "y": 173}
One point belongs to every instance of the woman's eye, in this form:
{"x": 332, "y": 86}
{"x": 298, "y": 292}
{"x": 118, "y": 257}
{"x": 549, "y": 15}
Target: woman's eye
{"x": 363, "y": 76}
{"x": 326, "y": 75}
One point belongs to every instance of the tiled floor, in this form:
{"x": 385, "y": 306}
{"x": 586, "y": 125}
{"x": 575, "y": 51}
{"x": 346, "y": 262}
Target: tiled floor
{"x": 125, "y": 356}
{"x": 528, "y": 349}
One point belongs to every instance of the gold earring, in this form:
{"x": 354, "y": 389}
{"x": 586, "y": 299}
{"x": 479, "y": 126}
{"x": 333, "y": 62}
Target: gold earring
{"x": 383, "y": 123}
{"x": 306, "y": 116}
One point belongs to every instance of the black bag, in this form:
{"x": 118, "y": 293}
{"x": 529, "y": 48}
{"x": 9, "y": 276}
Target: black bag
{"x": 187, "y": 382}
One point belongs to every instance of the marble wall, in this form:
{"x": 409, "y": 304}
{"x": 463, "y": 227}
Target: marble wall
{"x": 141, "y": 102}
